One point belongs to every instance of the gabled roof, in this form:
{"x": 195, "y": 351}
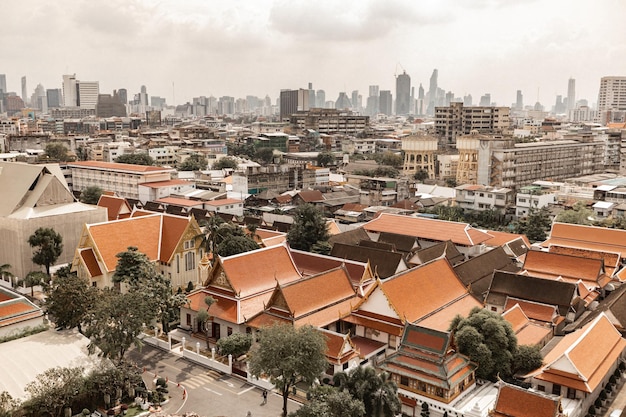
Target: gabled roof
{"x": 446, "y": 249}
{"x": 476, "y": 273}
{"x": 582, "y": 359}
{"x": 506, "y": 284}
{"x": 430, "y": 229}
{"x": 350, "y": 237}
{"x": 117, "y": 207}
{"x": 502, "y": 238}
{"x": 339, "y": 347}
{"x": 311, "y": 196}
{"x": 513, "y": 401}
{"x": 383, "y": 263}
{"x": 402, "y": 243}
{"x": 420, "y": 292}
{"x": 259, "y": 270}
{"x": 527, "y": 332}
{"x": 155, "y": 235}
{"x": 309, "y": 263}
{"x": 611, "y": 259}
{"x": 536, "y": 311}
{"x": 89, "y": 260}
{"x": 27, "y": 185}
{"x": 552, "y": 265}
{"x": 588, "y": 237}
{"x": 15, "y": 308}
{"x": 223, "y": 308}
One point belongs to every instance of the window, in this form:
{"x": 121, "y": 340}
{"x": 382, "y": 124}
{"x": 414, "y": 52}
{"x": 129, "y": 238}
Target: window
{"x": 177, "y": 264}
{"x": 229, "y": 331}
{"x": 556, "y": 389}
{"x": 571, "y": 393}
{"x": 188, "y": 319}
{"x": 94, "y": 284}
{"x": 404, "y": 380}
{"x": 541, "y": 388}
{"x": 190, "y": 261}
{"x": 188, "y": 244}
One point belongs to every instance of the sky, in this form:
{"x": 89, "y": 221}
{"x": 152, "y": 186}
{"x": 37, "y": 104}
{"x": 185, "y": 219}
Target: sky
{"x": 180, "y": 49}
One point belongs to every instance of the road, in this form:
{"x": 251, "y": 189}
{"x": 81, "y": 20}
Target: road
{"x": 209, "y": 393}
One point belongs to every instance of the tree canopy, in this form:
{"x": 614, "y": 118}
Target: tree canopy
{"x": 135, "y": 158}
{"x": 53, "y": 390}
{"x": 326, "y": 401}
{"x": 489, "y": 340}
{"x": 536, "y": 225}
{"x": 226, "y": 162}
{"x": 308, "y": 229}
{"x": 195, "y": 162}
{"x": 57, "y": 151}
{"x": 91, "y": 194}
{"x": 579, "y": 214}
{"x": 264, "y": 155}
{"x": 377, "y": 391}
{"x": 69, "y": 299}
{"x": 288, "y": 355}
{"x": 325, "y": 159}
{"x": 49, "y": 246}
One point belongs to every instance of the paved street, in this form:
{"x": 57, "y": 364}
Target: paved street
{"x": 209, "y": 393}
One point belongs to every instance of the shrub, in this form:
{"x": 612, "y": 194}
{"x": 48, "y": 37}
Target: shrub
{"x": 236, "y": 344}
{"x": 598, "y": 403}
{"x": 612, "y": 379}
{"x": 86, "y": 411}
{"x": 592, "y": 410}
{"x": 189, "y": 286}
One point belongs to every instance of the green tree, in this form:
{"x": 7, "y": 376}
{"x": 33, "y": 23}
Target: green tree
{"x": 91, "y": 195}
{"x": 69, "y": 300}
{"x": 487, "y": 339}
{"x": 224, "y": 163}
{"x": 32, "y": 279}
{"x": 535, "y": 226}
{"x": 244, "y": 150}
{"x": 326, "y": 401}
{"x": 49, "y": 246}
{"x": 116, "y": 321}
{"x": 420, "y": 175}
{"x": 57, "y": 151}
{"x": 377, "y": 391}
{"x": 8, "y": 405}
{"x": 325, "y": 159}
{"x": 235, "y": 245}
{"x": 288, "y": 356}
{"x": 527, "y": 359}
{"x": 5, "y": 273}
{"x": 309, "y": 228}
{"x": 264, "y": 155}
{"x": 392, "y": 159}
{"x": 132, "y": 266}
{"x": 53, "y": 390}
{"x": 579, "y": 214}
{"x": 204, "y": 317}
{"x": 135, "y": 159}
{"x": 195, "y": 162}
{"x": 109, "y": 382}
{"x": 236, "y": 344}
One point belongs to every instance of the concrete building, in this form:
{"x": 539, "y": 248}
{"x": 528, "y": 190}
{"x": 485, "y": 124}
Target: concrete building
{"x": 385, "y": 102}
{"x": 500, "y": 162}
{"x": 87, "y": 92}
{"x": 571, "y": 94}
{"x": 532, "y": 198}
{"x": 329, "y": 121}
{"x": 110, "y": 106}
{"x": 403, "y": 94}
{"x": 419, "y": 154}
{"x": 612, "y": 100}
{"x": 456, "y": 120}
{"x": 481, "y": 198}
{"x": 292, "y": 101}
{"x": 70, "y": 97}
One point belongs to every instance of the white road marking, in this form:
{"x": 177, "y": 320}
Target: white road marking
{"x": 210, "y": 390}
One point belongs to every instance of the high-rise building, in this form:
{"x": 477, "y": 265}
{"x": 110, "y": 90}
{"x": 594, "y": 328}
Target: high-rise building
{"x": 292, "y": 101}
{"x": 612, "y": 100}
{"x": 385, "y": 102}
{"x": 519, "y": 101}
{"x": 24, "y": 90}
{"x": 356, "y": 101}
{"x": 3, "y": 83}
{"x": 122, "y": 93}
{"x": 571, "y": 94}
{"x": 87, "y": 92}
{"x": 110, "y": 105}
{"x": 226, "y": 105}
{"x": 432, "y": 93}
{"x": 372, "y": 107}
{"x": 54, "y": 97}
{"x": 343, "y": 102}
{"x": 38, "y": 99}
{"x": 70, "y": 98}
{"x": 485, "y": 101}
{"x": 403, "y": 93}
{"x": 312, "y": 101}
{"x": 320, "y": 99}
{"x": 468, "y": 101}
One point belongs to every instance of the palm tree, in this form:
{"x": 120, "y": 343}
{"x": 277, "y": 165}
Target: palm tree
{"x": 384, "y": 400}
{"x": 377, "y": 391}
{"x": 4, "y": 272}
{"x": 34, "y": 278}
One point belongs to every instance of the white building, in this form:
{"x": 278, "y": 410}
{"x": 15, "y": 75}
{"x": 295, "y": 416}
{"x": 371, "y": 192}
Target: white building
{"x": 481, "y": 198}
{"x": 532, "y": 198}
{"x": 88, "y": 94}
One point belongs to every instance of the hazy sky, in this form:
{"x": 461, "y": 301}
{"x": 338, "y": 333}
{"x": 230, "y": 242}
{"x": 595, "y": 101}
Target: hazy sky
{"x": 257, "y": 47}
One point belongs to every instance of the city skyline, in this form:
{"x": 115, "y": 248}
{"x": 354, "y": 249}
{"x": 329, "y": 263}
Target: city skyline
{"x": 215, "y": 48}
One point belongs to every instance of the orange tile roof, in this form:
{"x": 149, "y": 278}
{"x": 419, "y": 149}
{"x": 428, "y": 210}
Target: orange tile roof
{"x": 114, "y": 205}
{"x": 333, "y": 228}
{"x": 117, "y": 166}
{"x": 168, "y": 183}
{"x": 532, "y": 334}
{"x": 17, "y": 310}
{"x": 588, "y": 237}
{"x": 514, "y": 401}
{"x": 532, "y": 310}
{"x": 592, "y": 351}
{"x": 501, "y": 238}
{"x": 183, "y": 202}
{"x": 418, "y": 292}
{"x": 259, "y": 270}
{"x": 440, "y": 319}
{"x": 224, "y": 308}
{"x": 436, "y": 230}
{"x": 223, "y": 202}
{"x": 173, "y": 229}
{"x": 382, "y": 325}
{"x": 552, "y": 265}
{"x": 312, "y": 263}
{"x": 516, "y": 317}
{"x": 611, "y": 259}
{"x": 89, "y": 259}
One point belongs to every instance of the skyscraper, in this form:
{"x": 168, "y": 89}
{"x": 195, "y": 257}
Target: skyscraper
{"x": 320, "y": 99}
{"x": 312, "y": 102}
{"x": 371, "y": 107}
{"x": 122, "y": 93}
{"x": 54, "y": 97}
{"x": 24, "y": 90}
{"x": 571, "y": 94}
{"x": 343, "y": 102}
{"x": 519, "y": 101}
{"x": 385, "y": 102}
{"x": 70, "y": 98}
{"x": 612, "y": 100}
{"x": 292, "y": 101}
{"x": 403, "y": 93}
{"x": 3, "y": 83}
{"x": 356, "y": 105}
{"x": 485, "y": 101}
{"x": 87, "y": 92}
{"x": 432, "y": 93}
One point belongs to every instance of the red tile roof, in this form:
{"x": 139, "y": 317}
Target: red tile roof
{"x": 588, "y": 237}
{"x": 117, "y": 167}
{"x": 571, "y": 268}
{"x": 89, "y": 259}
{"x": 435, "y": 230}
{"x": 164, "y": 184}
{"x": 514, "y": 401}
{"x": 501, "y": 238}
{"x": 114, "y": 205}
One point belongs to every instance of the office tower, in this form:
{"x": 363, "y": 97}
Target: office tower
{"x": 343, "y": 102}
{"x": 320, "y": 99}
{"x": 3, "y": 83}
{"x": 54, "y": 97}
{"x": 485, "y": 101}
{"x": 70, "y": 98}
{"x": 24, "y": 90}
{"x": 456, "y": 119}
{"x": 372, "y": 107}
{"x": 292, "y": 101}
{"x": 571, "y": 94}
{"x": 403, "y": 93}
{"x": 519, "y": 101}
{"x": 110, "y": 106}
{"x": 559, "y": 106}
{"x": 432, "y": 93}
{"x": 385, "y": 102}
{"x": 87, "y": 92}
{"x": 122, "y": 94}
{"x": 420, "y": 102}
{"x": 449, "y": 98}
{"x": 612, "y": 100}
{"x": 468, "y": 101}
{"x": 312, "y": 101}
{"x": 143, "y": 96}
{"x": 226, "y": 105}
{"x": 158, "y": 103}
{"x": 355, "y": 101}
{"x": 38, "y": 99}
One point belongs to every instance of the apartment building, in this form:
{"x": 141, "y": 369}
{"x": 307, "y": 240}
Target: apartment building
{"x": 532, "y": 198}
{"x": 612, "y": 100}
{"x": 481, "y": 197}
{"x": 329, "y": 121}
{"x": 456, "y": 120}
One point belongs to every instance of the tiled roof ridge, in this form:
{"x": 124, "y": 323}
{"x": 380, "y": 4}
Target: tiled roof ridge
{"x": 152, "y": 214}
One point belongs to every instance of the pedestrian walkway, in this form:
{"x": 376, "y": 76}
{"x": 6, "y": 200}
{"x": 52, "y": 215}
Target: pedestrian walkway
{"x": 199, "y": 380}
